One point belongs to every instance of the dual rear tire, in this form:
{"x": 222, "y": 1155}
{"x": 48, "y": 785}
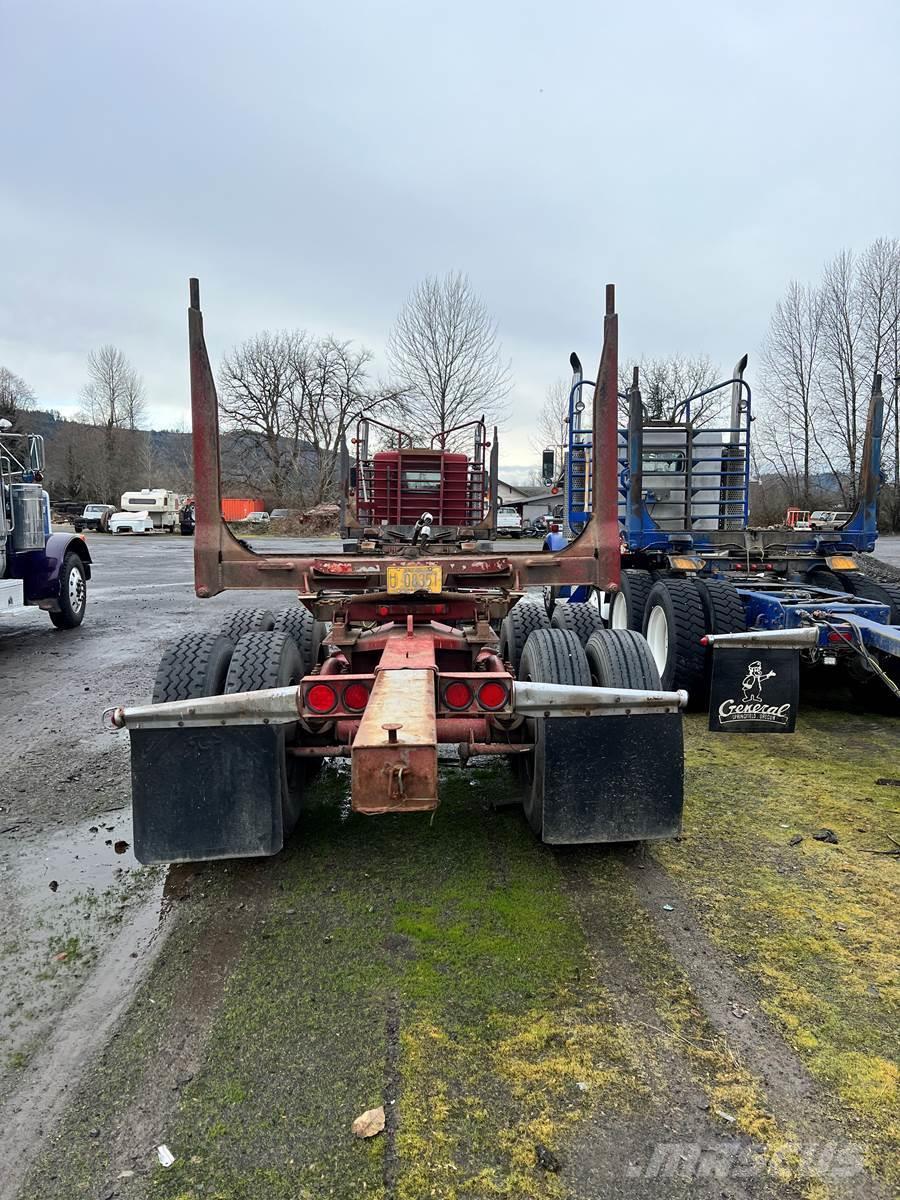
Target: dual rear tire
{"x": 257, "y": 656}
{"x": 678, "y": 614}
{"x": 525, "y": 618}
{"x": 882, "y": 593}
{"x": 582, "y": 619}
{"x": 297, "y": 622}
{"x": 616, "y": 658}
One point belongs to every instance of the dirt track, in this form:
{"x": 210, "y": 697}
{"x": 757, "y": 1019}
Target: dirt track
{"x": 659, "y": 1021}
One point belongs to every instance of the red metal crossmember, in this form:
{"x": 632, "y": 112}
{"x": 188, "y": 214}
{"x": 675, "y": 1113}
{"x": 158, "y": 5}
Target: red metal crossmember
{"x": 405, "y": 650}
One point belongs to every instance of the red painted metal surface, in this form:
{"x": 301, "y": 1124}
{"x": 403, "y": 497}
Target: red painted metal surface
{"x": 394, "y": 752}
{"x": 395, "y": 486}
{"x": 406, "y": 651}
{"x": 237, "y": 510}
{"x": 448, "y": 730}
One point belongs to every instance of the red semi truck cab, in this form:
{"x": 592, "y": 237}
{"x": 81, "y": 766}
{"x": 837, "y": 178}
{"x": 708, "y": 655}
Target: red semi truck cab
{"x": 395, "y": 493}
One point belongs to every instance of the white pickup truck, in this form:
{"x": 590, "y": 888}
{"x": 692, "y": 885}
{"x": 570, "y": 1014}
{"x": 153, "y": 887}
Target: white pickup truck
{"x": 131, "y": 522}
{"x": 822, "y": 519}
{"x": 509, "y": 522}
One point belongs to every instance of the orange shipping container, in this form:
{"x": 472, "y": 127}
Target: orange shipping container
{"x": 237, "y": 510}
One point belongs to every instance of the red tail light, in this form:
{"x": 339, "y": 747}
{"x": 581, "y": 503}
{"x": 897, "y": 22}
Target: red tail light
{"x": 457, "y": 695}
{"x": 321, "y": 698}
{"x": 492, "y": 695}
{"x": 356, "y": 696}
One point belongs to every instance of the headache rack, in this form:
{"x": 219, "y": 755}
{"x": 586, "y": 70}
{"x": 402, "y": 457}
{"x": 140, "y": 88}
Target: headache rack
{"x": 393, "y": 485}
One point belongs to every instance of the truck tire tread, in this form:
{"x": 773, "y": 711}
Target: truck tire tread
{"x": 686, "y": 665}
{"x": 247, "y": 620}
{"x": 306, "y": 631}
{"x": 621, "y": 658}
{"x": 722, "y": 606}
{"x": 555, "y": 656}
{"x": 518, "y": 624}
{"x": 882, "y": 593}
{"x": 263, "y": 659}
{"x": 194, "y": 665}
{"x": 635, "y": 585}
{"x": 583, "y": 619}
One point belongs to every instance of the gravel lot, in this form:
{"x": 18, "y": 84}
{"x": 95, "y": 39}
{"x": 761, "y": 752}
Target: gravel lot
{"x": 728, "y": 994}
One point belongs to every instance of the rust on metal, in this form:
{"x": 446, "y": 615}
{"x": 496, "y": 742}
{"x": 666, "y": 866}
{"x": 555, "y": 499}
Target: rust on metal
{"x": 468, "y": 750}
{"x": 395, "y": 769}
{"x": 412, "y": 648}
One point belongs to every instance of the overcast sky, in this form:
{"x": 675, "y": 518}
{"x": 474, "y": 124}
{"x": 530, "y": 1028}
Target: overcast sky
{"x": 311, "y": 162}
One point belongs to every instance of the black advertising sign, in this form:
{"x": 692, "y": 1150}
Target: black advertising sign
{"x": 754, "y": 690}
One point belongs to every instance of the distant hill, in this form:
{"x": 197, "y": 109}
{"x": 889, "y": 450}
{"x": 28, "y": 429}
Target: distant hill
{"x": 81, "y": 466}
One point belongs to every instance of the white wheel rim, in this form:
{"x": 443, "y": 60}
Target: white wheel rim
{"x": 658, "y": 637}
{"x": 619, "y": 618}
{"x": 594, "y": 599}
{"x": 76, "y": 590}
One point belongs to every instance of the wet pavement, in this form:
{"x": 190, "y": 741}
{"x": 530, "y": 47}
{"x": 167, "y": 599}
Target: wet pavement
{"x": 81, "y": 919}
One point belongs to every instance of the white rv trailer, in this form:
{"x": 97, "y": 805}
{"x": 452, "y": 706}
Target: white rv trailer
{"x": 161, "y": 507}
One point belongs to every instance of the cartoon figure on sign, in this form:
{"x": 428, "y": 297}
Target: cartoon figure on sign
{"x": 753, "y": 681}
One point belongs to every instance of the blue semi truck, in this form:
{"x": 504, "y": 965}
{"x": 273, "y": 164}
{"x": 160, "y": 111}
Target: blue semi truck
{"x": 37, "y": 567}
{"x": 696, "y": 574}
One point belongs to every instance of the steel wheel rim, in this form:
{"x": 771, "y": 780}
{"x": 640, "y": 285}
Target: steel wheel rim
{"x": 76, "y": 590}
{"x": 619, "y": 615}
{"x": 658, "y": 637}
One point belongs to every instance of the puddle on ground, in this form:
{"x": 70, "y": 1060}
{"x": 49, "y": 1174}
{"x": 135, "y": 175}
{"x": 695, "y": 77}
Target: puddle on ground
{"x": 80, "y": 925}
{"x": 64, "y": 898}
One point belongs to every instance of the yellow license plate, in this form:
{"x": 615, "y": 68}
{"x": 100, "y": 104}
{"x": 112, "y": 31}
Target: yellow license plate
{"x": 417, "y": 577}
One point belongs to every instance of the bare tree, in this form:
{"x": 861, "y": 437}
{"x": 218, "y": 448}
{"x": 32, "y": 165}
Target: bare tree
{"x": 15, "y": 395}
{"x": 335, "y": 393}
{"x": 113, "y": 401}
{"x": 113, "y": 397}
{"x": 553, "y": 425}
{"x": 841, "y": 388}
{"x": 791, "y": 361}
{"x": 258, "y": 385}
{"x": 824, "y": 346}
{"x": 444, "y": 353}
{"x": 879, "y": 270}
{"x": 288, "y": 401}
{"x": 668, "y": 383}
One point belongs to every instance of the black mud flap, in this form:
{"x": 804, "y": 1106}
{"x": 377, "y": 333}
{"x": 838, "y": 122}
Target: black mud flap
{"x": 754, "y": 690}
{"x": 207, "y": 793}
{"x": 611, "y": 779}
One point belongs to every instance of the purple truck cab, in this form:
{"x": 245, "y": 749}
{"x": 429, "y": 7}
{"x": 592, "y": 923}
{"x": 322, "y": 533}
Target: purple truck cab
{"x": 37, "y": 567}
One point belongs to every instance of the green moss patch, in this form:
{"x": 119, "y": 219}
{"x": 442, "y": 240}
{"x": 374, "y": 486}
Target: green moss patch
{"x": 456, "y": 923}
{"x": 815, "y": 925}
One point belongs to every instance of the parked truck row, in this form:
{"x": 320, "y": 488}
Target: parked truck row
{"x": 694, "y": 569}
